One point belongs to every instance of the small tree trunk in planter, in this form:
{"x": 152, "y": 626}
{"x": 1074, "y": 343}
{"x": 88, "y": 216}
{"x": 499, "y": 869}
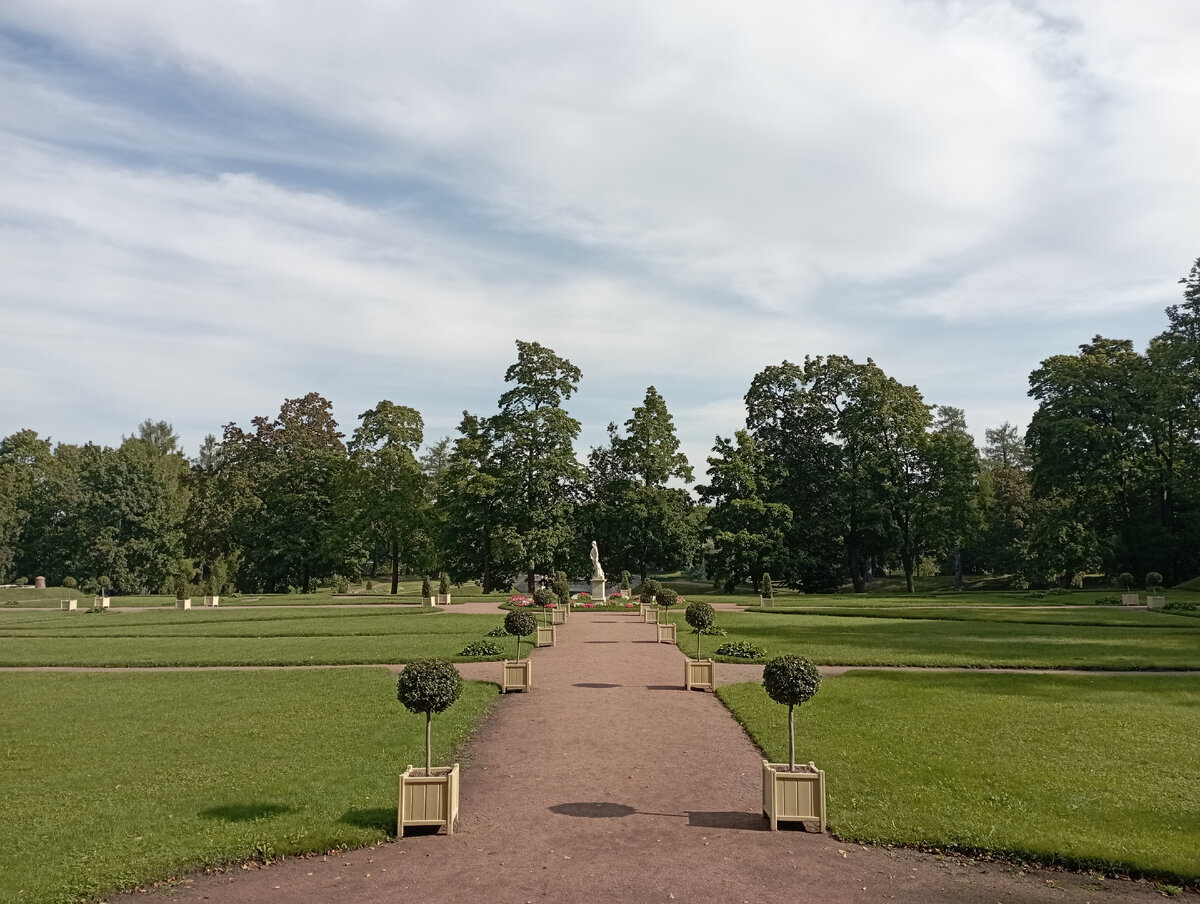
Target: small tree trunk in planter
{"x": 429, "y": 743}
{"x": 792, "y": 738}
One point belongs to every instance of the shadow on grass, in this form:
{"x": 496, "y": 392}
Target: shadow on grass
{"x": 245, "y": 812}
{"x": 382, "y": 819}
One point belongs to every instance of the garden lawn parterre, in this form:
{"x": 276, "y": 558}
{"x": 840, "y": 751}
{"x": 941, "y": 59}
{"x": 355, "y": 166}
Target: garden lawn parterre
{"x": 408, "y": 594}
{"x": 236, "y": 637}
{"x": 116, "y": 779}
{"x": 971, "y": 638}
{"x": 1083, "y": 771}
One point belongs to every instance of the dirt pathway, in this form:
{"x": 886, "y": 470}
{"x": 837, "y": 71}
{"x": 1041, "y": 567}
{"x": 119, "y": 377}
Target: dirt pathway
{"x": 609, "y": 782}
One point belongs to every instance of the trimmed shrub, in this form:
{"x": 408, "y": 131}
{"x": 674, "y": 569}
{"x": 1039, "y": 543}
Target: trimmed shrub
{"x": 768, "y": 591}
{"x": 428, "y": 686}
{"x": 649, "y": 591}
{"x": 666, "y": 597}
{"x": 69, "y": 582}
{"x": 740, "y": 649}
{"x": 1125, "y": 581}
{"x": 426, "y": 589}
{"x": 520, "y": 623}
{"x": 21, "y": 581}
{"x": 624, "y": 580}
{"x": 791, "y": 680}
{"x": 443, "y": 584}
{"x": 497, "y": 631}
{"x": 339, "y": 583}
{"x": 699, "y": 615}
{"x": 1153, "y": 581}
{"x": 481, "y": 648}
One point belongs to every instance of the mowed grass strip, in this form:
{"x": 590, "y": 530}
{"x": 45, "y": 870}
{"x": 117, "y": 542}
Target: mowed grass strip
{"x": 853, "y": 640}
{"x": 1059, "y": 615}
{"x": 1083, "y": 771}
{"x": 112, "y": 780}
{"x": 236, "y": 638}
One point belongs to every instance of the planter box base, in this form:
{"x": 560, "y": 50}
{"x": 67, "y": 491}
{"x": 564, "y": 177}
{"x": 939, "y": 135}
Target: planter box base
{"x": 428, "y": 800}
{"x": 793, "y": 796}
{"x": 1155, "y": 602}
{"x": 517, "y": 675}
{"x": 428, "y": 602}
{"x": 650, "y": 616}
{"x": 547, "y": 636}
{"x": 666, "y": 632}
{"x": 558, "y": 616}
{"x": 767, "y": 602}
{"x": 69, "y": 605}
{"x": 1129, "y": 599}
{"x": 183, "y": 604}
{"x": 443, "y": 599}
{"x": 212, "y": 601}
{"x": 699, "y": 673}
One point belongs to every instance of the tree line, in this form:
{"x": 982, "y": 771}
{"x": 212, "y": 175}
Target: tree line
{"x": 840, "y": 473}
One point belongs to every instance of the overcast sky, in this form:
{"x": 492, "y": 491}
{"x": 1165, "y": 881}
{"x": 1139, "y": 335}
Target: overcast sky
{"x": 209, "y": 207}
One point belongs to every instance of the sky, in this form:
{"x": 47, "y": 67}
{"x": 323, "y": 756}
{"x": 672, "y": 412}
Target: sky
{"x": 208, "y": 208}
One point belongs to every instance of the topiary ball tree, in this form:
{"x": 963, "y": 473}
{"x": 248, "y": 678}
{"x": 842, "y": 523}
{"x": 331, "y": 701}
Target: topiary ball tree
{"x": 444, "y": 584}
{"x": 1154, "y": 581}
{"x": 426, "y": 590}
{"x": 791, "y": 680}
{"x": 699, "y": 615}
{"x": 767, "y": 590}
{"x": 520, "y": 623}
{"x": 1125, "y": 581}
{"x": 561, "y": 588}
{"x": 666, "y": 597}
{"x": 650, "y": 590}
{"x": 546, "y": 599}
{"x": 428, "y": 686}
{"x": 624, "y": 580}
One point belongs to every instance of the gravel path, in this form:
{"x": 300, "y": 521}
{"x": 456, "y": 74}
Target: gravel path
{"x": 609, "y": 782}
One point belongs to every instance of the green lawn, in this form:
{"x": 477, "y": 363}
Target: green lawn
{"x": 1085, "y": 771}
{"x": 971, "y": 641}
{"x": 137, "y": 777}
{"x": 408, "y": 594}
{"x": 237, "y": 637}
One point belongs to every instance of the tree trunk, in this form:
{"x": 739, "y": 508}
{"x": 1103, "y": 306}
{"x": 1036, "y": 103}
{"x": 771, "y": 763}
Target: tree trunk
{"x": 529, "y": 581}
{"x": 958, "y": 582}
{"x": 395, "y": 567}
{"x": 909, "y": 568}
{"x": 791, "y": 737}
{"x": 428, "y": 743}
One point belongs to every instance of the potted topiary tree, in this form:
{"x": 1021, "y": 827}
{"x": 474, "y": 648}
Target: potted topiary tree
{"x": 625, "y": 585}
{"x": 181, "y": 581}
{"x": 666, "y": 597}
{"x": 443, "y": 589}
{"x": 699, "y": 673}
{"x": 518, "y": 673}
{"x": 1129, "y": 596}
{"x": 427, "y": 598}
{"x": 562, "y": 591}
{"x": 791, "y": 793}
{"x": 428, "y": 798}
{"x": 766, "y": 598}
{"x": 648, "y": 597}
{"x": 547, "y": 633}
{"x": 103, "y": 600}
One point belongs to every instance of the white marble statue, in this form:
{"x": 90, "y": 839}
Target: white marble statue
{"x": 597, "y": 572}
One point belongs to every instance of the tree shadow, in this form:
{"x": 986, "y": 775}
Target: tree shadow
{"x": 600, "y": 641}
{"x": 596, "y": 685}
{"x": 245, "y": 812}
{"x": 594, "y": 810}
{"x": 664, "y": 687}
{"x": 381, "y": 818}
{"x": 753, "y": 822}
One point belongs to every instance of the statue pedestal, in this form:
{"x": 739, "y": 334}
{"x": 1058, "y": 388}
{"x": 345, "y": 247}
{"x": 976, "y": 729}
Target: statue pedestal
{"x": 598, "y": 594}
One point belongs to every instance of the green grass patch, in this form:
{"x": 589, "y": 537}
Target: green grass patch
{"x": 112, "y": 780}
{"x": 236, "y": 637}
{"x": 857, "y": 640}
{"x": 1090, "y": 772}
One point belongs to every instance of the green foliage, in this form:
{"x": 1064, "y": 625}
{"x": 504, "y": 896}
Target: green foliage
{"x": 520, "y": 623}
{"x": 1125, "y": 581}
{"x": 791, "y": 680}
{"x": 1181, "y": 606}
{"x": 21, "y": 581}
{"x": 624, "y": 580}
{"x": 1154, "y": 581}
{"x": 482, "y": 648}
{"x": 428, "y": 686}
{"x": 1107, "y": 601}
{"x": 426, "y": 589}
{"x": 443, "y": 583}
{"x": 498, "y": 631}
{"x": 339, "y": 583}
{"x": 767, "y": 591}
{"x": 544, "y": 597}
{"x": 666, "y": 597}
{"x": 700, "y": 615}
{"x": 561, "y": 589}
{"x": 69, "y": 582}
{"x": 740, "y": 649}
{"x": 650, "y": 590}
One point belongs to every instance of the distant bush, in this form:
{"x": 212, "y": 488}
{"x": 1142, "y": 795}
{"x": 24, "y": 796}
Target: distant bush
{"x": 1058, "y": 591}
{"x": 370, "y": 585}
{"x": 650, "y": 591}
{"x": 544, "y": 597}
{"x": 69, "y": 582}
{"x": 1125, "y": 581}
{"x": 624, "y": 580}
{"x": 482, "y": 648}
{"x": 1180, "y": 607}
{"x": 90, "y": 586}
{"x": 497, "y": 631}
{"x": 443, "y": 584}
{"x": 21, "y": 581}
{"x": 1018, "y": 581}
{"x": 1108, "y": 601}
{"x": 339, "y": 583}
{"x": 1035, "y": 595}
{"x": 666, "y": 597}
{"x": 768, "y": 591}
{"x": 426, "y": 590}
{"x": 1153, "y": 581}
{"x": 740, "y": 649}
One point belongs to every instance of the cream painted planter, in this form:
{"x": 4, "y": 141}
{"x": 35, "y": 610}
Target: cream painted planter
{"x": 443, "y": 599}
{"x": 102, "y": 602}
{"x": 650, "y": 616}
{"x": 428, "y": 602}
{"x": 558, "y": 616}
{"x": 666, "y": 632}
{"x": 625, "y": 594}
{"x": 767, "y": 602}
{"x": 517, "y": 675}
{"x": 546, "y": 635}
{"x": 428, "y": 800}
{"x": 68, "y": 605}
{"x": 212, "y": 601}
{"x": 1155, "y": 602}
{"x": 793, "y": 796}
{"x": 699, "y": 673}
{"x": 1129, "y": 599}
{"x": 183, "y": 604}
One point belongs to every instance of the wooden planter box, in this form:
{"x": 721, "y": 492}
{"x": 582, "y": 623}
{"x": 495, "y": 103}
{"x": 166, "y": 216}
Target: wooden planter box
{"x": 428, "y": 800}
{"x": 102, "y": 602}
{"x": 558, "y": 616}
{"x": 699, "y": 673}
{"x": 443, "y": 599}
{"x": 767, "y": 602}
{"x": 516, "y": 676}
{"x": 183, "y": 604}
{"x": 666, "y": 632}
{"x": 625, "y": 594}
{"x": 1129, "y": 599}
{"x": 649, "y": 616}
{"x": 428, "y": 602}
{"x": 793, "y": 796}
{"x": 68, "y": 605}
{"x": 546, "y": 635}
{"x": 212, "y": 601}
{"x": 1155, "y": 602}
